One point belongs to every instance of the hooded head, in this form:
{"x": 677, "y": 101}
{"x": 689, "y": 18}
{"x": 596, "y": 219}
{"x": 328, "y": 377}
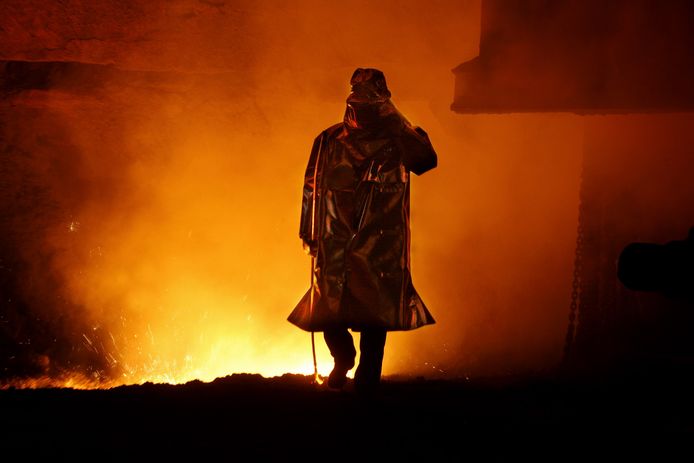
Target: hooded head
{"x": 368, "y": 86}
{"x": 368, "y": 104}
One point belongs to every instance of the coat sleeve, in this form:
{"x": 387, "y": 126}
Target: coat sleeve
{"x": 418, "y": 153}
{"x": 310, "y": 178}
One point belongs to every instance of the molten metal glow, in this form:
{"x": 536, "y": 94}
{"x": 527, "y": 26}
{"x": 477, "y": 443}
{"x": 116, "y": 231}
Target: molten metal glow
{"x": 170, "y": 232}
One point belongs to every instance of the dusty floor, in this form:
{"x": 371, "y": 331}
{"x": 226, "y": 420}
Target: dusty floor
{"x": 243, "y": 417}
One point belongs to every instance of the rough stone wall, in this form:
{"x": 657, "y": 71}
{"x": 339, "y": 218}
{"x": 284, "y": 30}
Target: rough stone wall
{"x": 183, "y": 35}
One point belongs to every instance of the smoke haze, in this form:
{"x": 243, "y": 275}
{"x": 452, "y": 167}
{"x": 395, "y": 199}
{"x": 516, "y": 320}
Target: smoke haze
{"x": 152, "y": 202}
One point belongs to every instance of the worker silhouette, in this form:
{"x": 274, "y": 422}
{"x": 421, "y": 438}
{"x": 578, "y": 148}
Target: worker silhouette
{"x": 355, "y": 225}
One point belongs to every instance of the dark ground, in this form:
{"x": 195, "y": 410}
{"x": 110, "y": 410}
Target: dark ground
{"x": 646, "y": 415}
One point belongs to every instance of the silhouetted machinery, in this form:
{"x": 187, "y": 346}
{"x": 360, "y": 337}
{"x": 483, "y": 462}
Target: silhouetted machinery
{"x": 664, "y": 268}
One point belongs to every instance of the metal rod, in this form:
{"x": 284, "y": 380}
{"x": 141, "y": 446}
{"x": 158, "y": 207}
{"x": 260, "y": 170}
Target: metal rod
{"x": 316, "y": 378}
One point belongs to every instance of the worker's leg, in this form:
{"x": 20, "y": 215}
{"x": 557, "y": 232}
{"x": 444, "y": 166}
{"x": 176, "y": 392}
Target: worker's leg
{"x": 341, "y": 346}
{"x": 371, "y": 346}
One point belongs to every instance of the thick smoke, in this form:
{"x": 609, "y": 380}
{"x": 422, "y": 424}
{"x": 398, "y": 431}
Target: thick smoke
{"x": 158, "y": 240}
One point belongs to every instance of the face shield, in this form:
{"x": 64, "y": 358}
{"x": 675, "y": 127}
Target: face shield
{"x": 368, "y": 105}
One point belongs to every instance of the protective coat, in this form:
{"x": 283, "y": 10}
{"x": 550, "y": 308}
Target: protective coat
{"x": 355, "y": 219}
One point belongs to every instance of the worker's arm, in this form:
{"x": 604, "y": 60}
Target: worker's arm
{"x": 307, "y": 229}
{"x": 418, "y": 153}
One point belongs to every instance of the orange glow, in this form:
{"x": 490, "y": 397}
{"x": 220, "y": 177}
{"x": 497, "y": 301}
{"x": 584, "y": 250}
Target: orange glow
{"x": 175, "y": 244}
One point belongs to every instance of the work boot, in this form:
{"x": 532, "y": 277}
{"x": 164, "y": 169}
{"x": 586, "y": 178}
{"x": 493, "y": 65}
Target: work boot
{"x": 367, "y": 382}
{"x": 341, "y": 347}
{"x": 367, "y": 378}
{"x": 338, "y": 377}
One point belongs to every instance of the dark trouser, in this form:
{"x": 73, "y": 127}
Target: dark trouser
{"x": 372, "y": 342}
